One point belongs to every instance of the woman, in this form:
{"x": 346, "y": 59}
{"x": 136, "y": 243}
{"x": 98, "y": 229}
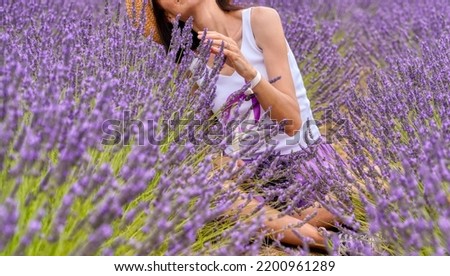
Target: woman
{"x": 256, "y": 51}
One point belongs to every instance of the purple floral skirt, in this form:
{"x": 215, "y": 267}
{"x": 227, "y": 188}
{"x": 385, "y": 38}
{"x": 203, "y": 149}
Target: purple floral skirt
{"x": 297, "y": 179}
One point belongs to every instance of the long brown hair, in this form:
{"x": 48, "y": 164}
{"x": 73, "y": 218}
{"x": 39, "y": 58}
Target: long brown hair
{"x": 164, "y": 26}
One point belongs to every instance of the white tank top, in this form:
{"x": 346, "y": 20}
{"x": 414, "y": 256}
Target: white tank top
{"x": 227, "y": 85}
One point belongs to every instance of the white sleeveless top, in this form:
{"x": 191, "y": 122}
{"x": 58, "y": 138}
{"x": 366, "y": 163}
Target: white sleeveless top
{"x": 227, "y": 85}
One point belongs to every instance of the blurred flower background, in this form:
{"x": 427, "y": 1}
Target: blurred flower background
{"x": 377, "y": 73}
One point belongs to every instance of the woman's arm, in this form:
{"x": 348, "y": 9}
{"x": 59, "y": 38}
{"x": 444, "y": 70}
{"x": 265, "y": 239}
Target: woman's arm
{"x": 269, "y": 35}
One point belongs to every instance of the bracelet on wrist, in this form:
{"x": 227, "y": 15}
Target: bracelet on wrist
{"x": 253, "y": 83}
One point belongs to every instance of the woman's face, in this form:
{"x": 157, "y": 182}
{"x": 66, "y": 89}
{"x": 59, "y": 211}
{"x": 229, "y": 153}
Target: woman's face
{"x": 175, "y": 7}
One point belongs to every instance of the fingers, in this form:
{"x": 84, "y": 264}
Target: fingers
{"x": 231, "y": 57}
{"x": 218, "y": 38}
{"x": 226, "y": 44}
{"x": 231, "y": 50}
{"x": 213, "y": 35}
{"x": 226, "y": 52}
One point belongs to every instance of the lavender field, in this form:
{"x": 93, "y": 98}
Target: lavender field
{"x": 378, "y": 77}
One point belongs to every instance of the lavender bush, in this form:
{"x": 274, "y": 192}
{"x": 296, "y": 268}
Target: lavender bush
{"x": 378, "y": 76}
{"x": 66, "y": 188}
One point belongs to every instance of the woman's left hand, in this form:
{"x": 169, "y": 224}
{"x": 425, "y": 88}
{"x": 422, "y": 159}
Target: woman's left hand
{"x": 232, "y": 52}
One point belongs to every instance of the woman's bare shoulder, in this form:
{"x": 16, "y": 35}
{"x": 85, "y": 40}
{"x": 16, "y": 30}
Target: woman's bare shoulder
{"x": 263, "y": 10}
{"x": 266, "y": 24}
{"x": 262, "y": 16}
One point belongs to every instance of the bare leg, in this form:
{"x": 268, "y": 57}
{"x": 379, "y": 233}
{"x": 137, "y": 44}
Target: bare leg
{"x": 274, "y": 223}
{"x": 323, "y": 217}
{"x": 307, "y": 230}
{"x": 278, "y": 225}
